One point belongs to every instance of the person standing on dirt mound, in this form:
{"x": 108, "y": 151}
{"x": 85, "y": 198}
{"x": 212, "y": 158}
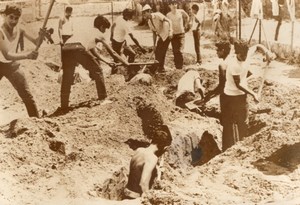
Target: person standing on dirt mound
{"x": 65, "y": 26}
{"x": 10, "y": 36}
{"x": 180, "y": 25}
{"x": 89, "y": 57}
{"x": 161, "y": 27}
{"x": 189, "y": 84}
{"x": 236, "y": 108}
{"x": 119, "y": 31}
{"x": 142, "y": 170}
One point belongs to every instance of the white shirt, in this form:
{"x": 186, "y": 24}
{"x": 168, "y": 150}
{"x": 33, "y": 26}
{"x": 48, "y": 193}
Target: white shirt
{"x": 121, "y": 29}
{"x": 235, "y": 68}
{"x": 67, "y": 26}
{"x": 275, "y": 7}
{"x": 196, "y": 20}
{"x": 93, "y": 42}
{"x": 187, "y": 82}
{"x": 256, "y": 9}
{"x": 11, "y": 45}
{"x": 177, "y": 21}
{"x": 159, "y": 25}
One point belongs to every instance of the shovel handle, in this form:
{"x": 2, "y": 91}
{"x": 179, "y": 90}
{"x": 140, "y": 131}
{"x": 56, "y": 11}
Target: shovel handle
{"x": 40, "y": 40}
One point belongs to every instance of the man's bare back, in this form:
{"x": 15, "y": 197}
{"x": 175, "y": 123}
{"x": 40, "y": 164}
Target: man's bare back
{"x": 142, "y": 171}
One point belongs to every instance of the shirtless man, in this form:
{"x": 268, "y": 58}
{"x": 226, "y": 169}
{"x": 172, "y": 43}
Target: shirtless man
{"x": 143, "y": 164}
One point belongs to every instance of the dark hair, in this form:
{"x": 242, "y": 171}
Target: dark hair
{"x": 128, "y": 12}
{"x": 224, "y": 45}
{"x": 68, "y": 9}
{"x": 162, "y": 137}
{"x": 241, "y": 46}
{"x": 13, "y": 9}
{"x": 173, "y": 1}
{"x": 195, "y": 7}
{"x": 101, "y": 21}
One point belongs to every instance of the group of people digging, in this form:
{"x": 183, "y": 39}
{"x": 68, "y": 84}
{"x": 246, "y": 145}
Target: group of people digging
{"x": 167, "y": 29}
{"x": 143, "y": 163}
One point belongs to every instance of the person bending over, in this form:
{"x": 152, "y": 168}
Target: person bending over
{"x": 89, "y": 57}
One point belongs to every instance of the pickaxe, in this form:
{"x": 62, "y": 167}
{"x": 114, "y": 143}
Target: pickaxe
{"x": 40, "y": 40}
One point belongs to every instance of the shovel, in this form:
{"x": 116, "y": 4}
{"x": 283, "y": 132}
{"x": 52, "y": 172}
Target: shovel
{"x": 195, "y": 104}
{"x": 40, "y": 40}
{"x": 152, "y": 54}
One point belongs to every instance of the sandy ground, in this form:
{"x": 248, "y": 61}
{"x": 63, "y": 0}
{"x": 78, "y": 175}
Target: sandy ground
{"x": 76, "y": 158}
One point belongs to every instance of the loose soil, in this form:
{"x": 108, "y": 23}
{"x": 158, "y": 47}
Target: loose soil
{"x": 83, "y": 157}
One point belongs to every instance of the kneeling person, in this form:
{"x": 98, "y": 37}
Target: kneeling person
{"x": 188, "y": 85}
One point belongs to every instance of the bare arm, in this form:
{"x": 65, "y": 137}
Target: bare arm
{"x": 238, "y": 84}
{"x": 170, "y": 26}
{"x": 112, "y": 52}
{"x": 199, "y": 88}
{"x": 220, "y": 88}
{"x": 147, "y": 174}
{"x": 136, "y": 42}
{"x": 269, "y": 54}
{"x": 60, "y": 24}
{"x": 186, "y": 19}
{"x": 112, "y": 31}
{"x": 11, "y": 55}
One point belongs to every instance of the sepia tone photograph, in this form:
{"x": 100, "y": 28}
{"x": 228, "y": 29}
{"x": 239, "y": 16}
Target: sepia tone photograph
{"x": 149, "y": 102}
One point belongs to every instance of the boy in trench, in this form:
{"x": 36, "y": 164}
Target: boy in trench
{"x": 89, "y": 57}
{"x": 10, "y": 35}
{"x": 143, "y": 164}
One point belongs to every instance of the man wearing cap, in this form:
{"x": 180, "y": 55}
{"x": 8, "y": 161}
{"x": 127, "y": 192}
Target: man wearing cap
{"x": 180, "y": 24}
{"x": 161, "y": 27}
{"x": 10, "y": 36}
{"x": 119, "y": 31}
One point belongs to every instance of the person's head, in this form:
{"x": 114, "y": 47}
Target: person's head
{"x": 241, "y": 48}
{"x": 173, "y": 4}
{"x": 223, "y": 49}
{"x": 68, "y": 11}
{"x": 162, "y": 139}
{"x": 12, "y": 15}
{"x": 195, "y": 8}
{"x": 147, "y": 11}
{"x": 127, "y": 14}
{"x": 101, "y": 23}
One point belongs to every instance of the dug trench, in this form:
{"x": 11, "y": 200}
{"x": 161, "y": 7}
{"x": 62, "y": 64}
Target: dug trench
{"x": 192, "y": 145}
{"x": 87, "y": 151}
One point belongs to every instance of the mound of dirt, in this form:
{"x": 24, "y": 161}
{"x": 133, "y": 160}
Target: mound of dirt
{"x": 79, "y": 157}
